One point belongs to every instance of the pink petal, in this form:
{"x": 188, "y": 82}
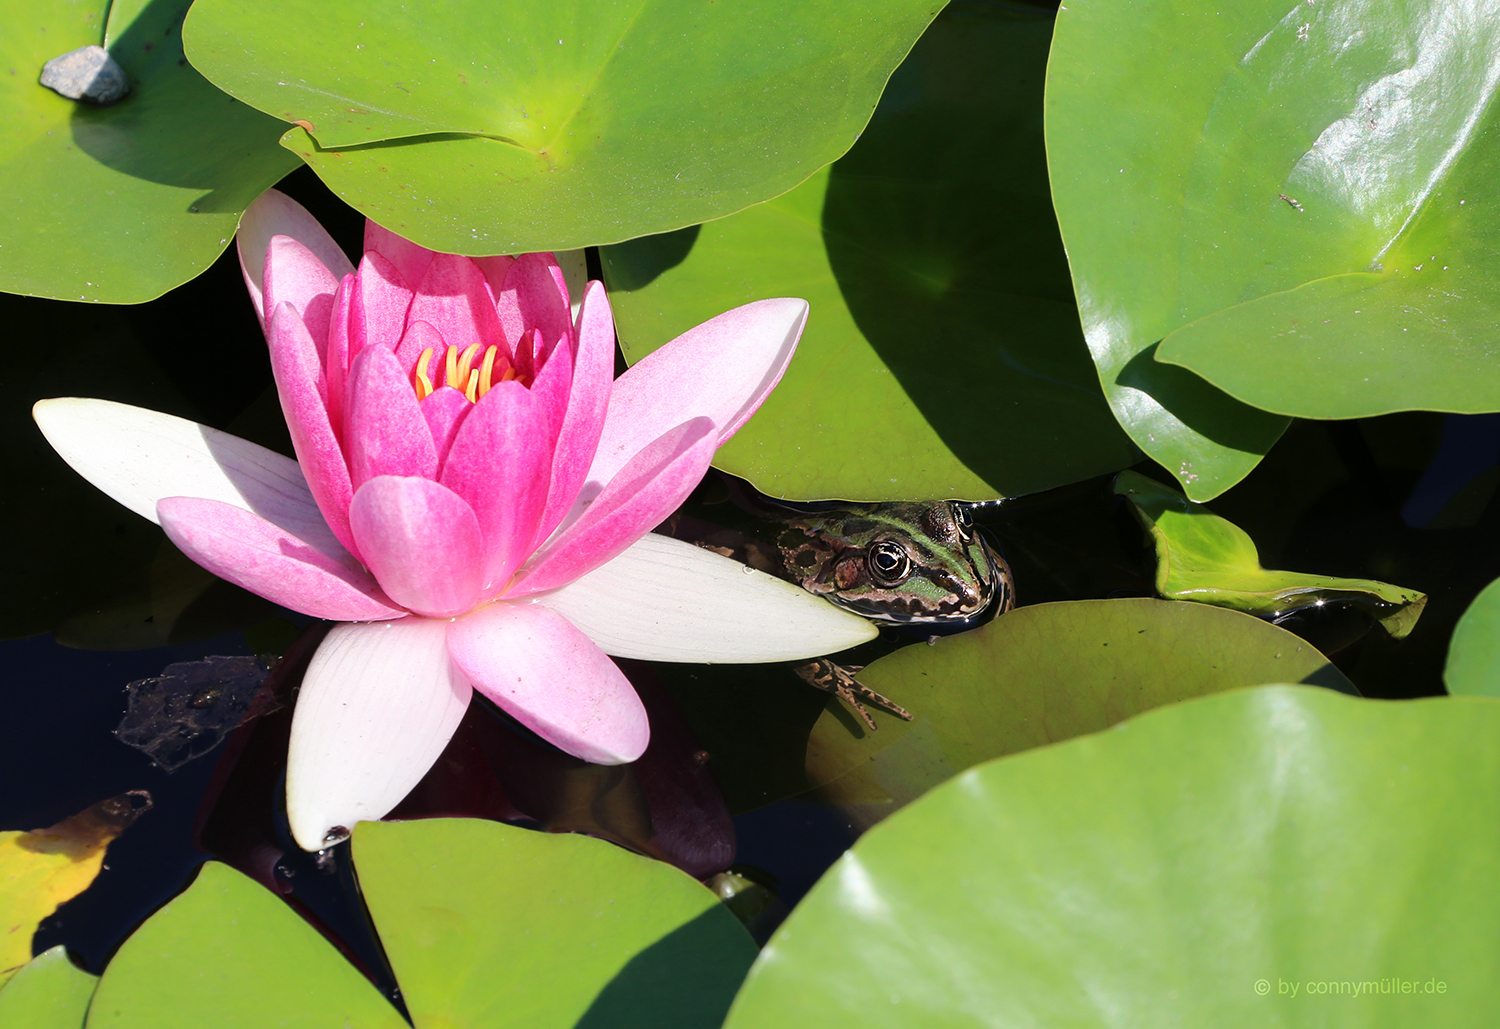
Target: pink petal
{"x": 640, "y": 496}
{"x": 588, "y": 401}
{"x": 552, "y": 679}
{"x": 530, "y": 353}
{"x": 455, "y": 300}
{"x": 494, "y": 270}
{"x": 273, "y": 213}
{"x": 295, "y": 275}
{"x": 377, "y": 706}
{"x": 271, "y": 562}
{"x": 385, "y": 433}
{"x": 381, "y": 305}
{"x": 722, "y": 369}
{"x": 408, "y": 258}
{"x": 294, "y": 363}
{"x": 555, "y": 380}
{"x": 420, "y": 338}
{"x": 336, "y": 356}
{"x": 445, "y": 410}
{"x": 535, "y": 297}
{"x": 422, "y": 543}
{"x": 500, "y": 463}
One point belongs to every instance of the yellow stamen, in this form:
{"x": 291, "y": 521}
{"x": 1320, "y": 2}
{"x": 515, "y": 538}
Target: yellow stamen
{"x": 465, "y": 361}
{"x": 423, "y": 383}
{"x": 487, "y": 369}
{"x": 457, "y": 370}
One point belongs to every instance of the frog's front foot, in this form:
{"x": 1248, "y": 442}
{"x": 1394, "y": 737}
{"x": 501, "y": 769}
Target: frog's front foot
{"x": 841, "y": 682}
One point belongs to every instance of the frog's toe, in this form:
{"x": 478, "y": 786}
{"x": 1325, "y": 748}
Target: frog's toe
{"x": 841, "y": 682}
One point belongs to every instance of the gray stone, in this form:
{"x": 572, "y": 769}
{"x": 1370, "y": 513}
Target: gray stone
{"x": 88, "y": 73}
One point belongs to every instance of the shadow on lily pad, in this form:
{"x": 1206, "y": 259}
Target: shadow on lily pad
{"x": 651, "y": 983}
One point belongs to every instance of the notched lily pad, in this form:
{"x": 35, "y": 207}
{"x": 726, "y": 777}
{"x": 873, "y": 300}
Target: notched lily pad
{"x": 481, "y": 128}
{"x": 228, "y": 952}
{"x": 119, "y": 202}
{"x": 189, "y": 708}
{"x": 484, "y": 924}
{"x": 1208, "y": 559}
{"x": 568, "y": 930}
{"x": 1296, "y": 215}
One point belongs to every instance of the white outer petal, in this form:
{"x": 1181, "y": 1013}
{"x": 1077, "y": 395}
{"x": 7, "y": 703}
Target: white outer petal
{"x": 666, "y": 600}
{"x": 378, "y": 705}
{"x": 575, "y": 269}
{"x": 139, "y": 456}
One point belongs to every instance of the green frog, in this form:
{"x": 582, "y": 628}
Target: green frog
{"x": 919, "y": 565}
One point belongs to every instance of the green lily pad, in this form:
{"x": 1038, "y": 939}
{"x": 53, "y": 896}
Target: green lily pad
{"x": 1269, "y": 857}
{"x": 1202, "y": 557}
{"x": 481, "y": 128}
{"x": 229, "y": 953}
{"x": 49, "y": 992}
{"x": 1474, "y": 654}
{"x": 1363, "y": 344}
{"x": 1038, "y": 675}
{"x": 1131, "y": 88}
{"x": 1297, "y": 201}
{"x": 1392, "y": 160}
{"x": 119, "y": 204}
{"x": 488, "y": 924}
{"x": 484, "y": 924}
{"x": 942, "y": 358}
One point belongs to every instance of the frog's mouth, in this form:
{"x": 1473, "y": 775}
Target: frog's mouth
{"x": 927, "y": 625}
{"x": 919, "y": 613}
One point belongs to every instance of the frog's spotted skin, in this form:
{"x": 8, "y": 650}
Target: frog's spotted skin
{"x": 908, "y": 563}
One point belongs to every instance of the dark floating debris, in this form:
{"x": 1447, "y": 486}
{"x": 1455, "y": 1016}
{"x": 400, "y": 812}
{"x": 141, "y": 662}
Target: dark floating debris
{"x": 120, "y": 812}
{"x": 185, "y": 711}
{"x": 88, "y": 73}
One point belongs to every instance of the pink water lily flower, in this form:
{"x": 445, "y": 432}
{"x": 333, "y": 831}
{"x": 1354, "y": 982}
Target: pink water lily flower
{"x": 471, "y": 498}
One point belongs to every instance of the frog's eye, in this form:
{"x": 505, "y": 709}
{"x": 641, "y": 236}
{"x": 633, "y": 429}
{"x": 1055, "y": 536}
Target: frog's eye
{"x": 889, "y": 563}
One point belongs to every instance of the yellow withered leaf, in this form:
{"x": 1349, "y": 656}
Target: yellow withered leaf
{"x": 44, "y": 868}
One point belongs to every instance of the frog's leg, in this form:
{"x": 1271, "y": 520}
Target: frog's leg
{"x": 841, "y": 682}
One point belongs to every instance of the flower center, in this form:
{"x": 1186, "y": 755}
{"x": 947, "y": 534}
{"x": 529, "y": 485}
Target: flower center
{"x": 459, "y": 372}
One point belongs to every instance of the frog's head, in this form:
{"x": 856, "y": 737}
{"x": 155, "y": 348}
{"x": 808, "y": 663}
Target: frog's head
{"x": 897, "y": 562}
